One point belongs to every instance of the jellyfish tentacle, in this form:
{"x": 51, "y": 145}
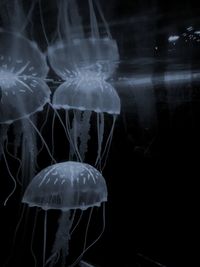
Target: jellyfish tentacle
{"x": 42, "y": 23}
{"x": 62, "y": 8}
{"x": 74, "y": 133}
{"x": 80, "y": 131}
{"x": 61, "y": 243}
{"x": 77, "y": 223}
{"x": 13, "y": 15}
{"x": 45, "y": 237}
{"x": 32, "y": 238}
{"x": 18, "y": 132}
{"x": 73, "y": 142}
{"x": 3, "y": 137}
{"x": 108, "y": 142}
{"x": 52, "y": 135}
{"x": 69, "y": 26}
{"x": 103, "y": 19}
{"x": 17, "y": 159}
{"x": 42, "y": 127}
{"x": 15, "y": 235}
{"x": 68, "y": 127}
{"x": 28, "y": 16}
{"x": 87, "y": 228}
{"x": 42, "y": 138}
{"x": 93, "y": 21}
{"x": 11, "y": 176}
{"x": 100, "y": 132}
{"x": 84, "y": 132}
{"x": 66, "y": 130}
{"x": 29, "y": 152}
{"x": 76, "y": 24}
{"x": 94, "y": 242}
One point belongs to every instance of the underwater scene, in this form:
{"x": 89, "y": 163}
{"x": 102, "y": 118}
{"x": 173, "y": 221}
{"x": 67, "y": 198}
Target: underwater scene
{"x": 99, "y": 133}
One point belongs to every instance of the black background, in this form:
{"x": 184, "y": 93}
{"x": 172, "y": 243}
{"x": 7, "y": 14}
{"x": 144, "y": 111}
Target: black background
{"x": 152, "y": 171}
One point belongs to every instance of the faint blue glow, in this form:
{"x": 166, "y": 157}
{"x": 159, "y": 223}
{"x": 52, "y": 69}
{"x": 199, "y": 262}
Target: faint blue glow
{"x": 190, "y": 28}
{"x": 173, "y": 38}
{"x": 169, "y": 77}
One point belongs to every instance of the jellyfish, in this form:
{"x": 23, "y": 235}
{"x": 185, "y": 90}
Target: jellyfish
{"x": 66, "y": 186}
{"x": 74, "y": 51}
{"x": 84, "y": 64}
{"x": 24, "y": 92}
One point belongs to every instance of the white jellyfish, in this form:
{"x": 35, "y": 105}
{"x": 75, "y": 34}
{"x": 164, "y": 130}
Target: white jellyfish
{"x": 75, "y": 51}
{"x": 84, "y": 64}
{"x": 23, "y": 93}
{"x": 22, "y": 69}
{"x": 66, "y": 186}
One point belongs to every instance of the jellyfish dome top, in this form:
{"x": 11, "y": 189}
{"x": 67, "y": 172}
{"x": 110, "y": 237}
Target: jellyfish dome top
{"x": 22, "y": 70}
{"x": 75, "y": 51}
{"x": 66, "y": 186}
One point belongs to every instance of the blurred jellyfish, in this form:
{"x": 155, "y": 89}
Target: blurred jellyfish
{"x": 23, "y": 91}
{"x": 66, "y": 186}
{"x": 77, "y": 50}
{"x": 84, "y": 64}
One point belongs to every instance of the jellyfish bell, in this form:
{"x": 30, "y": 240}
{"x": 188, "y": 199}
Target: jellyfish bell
{"x": 87, "y": 91}
{"x": 22, "y": 70}
{"x": 98, "y": 55}
{"x": 66, "y": 186}
{"x": 75, "y": 50}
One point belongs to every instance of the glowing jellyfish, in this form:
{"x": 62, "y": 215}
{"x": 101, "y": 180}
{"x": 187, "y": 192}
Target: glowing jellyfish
{"x": 66, "y": 186}
{"x": 23, "y": 93}
{"x": 22, "y": 67}
{"x": 84, "y": 64}
{"x": 76, "y": 49}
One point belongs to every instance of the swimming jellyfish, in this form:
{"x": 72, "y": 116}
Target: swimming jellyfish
{"x": 66, "y": 186}
{"x": 23, "y": 93}
{"x": 76, "y": 49}
{"x": 84, "y": 64}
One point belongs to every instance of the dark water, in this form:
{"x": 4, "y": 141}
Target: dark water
{"x": 152, "y": 171}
